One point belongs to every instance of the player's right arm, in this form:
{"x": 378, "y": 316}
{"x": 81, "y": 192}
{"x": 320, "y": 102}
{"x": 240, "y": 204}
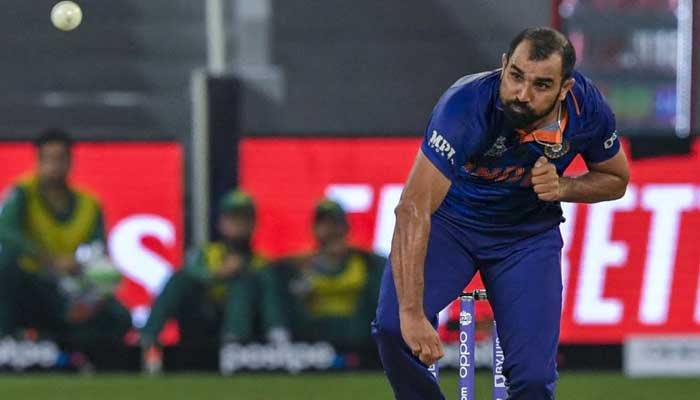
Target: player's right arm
{"x": 452, "y": 136}
{"x": 11, "y": 219}
{"x": 425, "y": 190}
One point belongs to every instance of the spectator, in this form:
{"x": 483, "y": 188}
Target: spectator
{"x": 334, "y": 290}
{"x": 222, "y": 290}
{"x": 52, "y": 237}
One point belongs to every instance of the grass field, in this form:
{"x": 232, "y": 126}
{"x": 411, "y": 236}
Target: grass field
{"x": 349, "y": 386}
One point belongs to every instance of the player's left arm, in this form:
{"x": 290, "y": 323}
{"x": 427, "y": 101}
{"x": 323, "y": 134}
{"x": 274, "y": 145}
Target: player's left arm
{"x": 608, "y": 170}
{"x": 604, "y": 181}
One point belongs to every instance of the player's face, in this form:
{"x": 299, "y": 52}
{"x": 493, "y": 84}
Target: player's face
{"x": 236, "y": 228}
{"x": 54, "y": 162}
{"x": 329, "y": 230}
{"x": 530, "y": 90}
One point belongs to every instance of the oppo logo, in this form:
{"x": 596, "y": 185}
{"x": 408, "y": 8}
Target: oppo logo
{"x": 464, "y": 353}
{"x": 609, "y": 142}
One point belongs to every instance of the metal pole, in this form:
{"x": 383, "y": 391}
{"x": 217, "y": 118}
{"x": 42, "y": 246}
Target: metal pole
{"x": 216, "y": 65}
{"x": 684, "y": 57}
{"x": 216, "y": 36}
{"x": 200, "y": 158}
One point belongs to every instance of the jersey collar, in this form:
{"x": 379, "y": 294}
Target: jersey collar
{"x": 552, "y": 133}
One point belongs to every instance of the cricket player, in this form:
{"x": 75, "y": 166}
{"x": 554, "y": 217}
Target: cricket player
{"x": 49, "y": 284}
{"x": 224, "y": 292}
{"x": 484, "y": 194}
{"x": 333, "y": 290}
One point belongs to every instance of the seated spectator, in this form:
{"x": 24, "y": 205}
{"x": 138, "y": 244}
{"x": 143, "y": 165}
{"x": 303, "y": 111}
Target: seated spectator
{"x": 333, "y": 291}
{"x": 54, "y": 274}
{"x": 222, "y": 291}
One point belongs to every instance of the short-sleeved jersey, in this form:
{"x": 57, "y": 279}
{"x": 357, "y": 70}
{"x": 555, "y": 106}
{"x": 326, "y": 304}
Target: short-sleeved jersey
{"x": 470, "y": 141}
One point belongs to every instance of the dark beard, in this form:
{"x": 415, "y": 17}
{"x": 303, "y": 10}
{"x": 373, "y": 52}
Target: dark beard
{"x": 241, "y": 246}
{"x": 521, "y": 120}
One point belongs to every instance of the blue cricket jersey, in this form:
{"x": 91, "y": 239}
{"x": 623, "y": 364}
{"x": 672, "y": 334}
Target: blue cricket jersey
{"x": 469, "y": 140}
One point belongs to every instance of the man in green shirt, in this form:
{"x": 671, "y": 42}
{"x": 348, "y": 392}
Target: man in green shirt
{"x": 50, "y": 234}
{"x": 333, "y": 291}
{"x": 224, "y": 290}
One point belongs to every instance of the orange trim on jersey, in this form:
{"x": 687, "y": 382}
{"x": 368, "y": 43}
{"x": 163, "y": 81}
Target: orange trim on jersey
{"x": 573, "y": 96}
{"x": 554, "y": 136}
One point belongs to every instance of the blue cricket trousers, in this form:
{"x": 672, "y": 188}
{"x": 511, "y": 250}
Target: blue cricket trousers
{"x": 522, "y": 276}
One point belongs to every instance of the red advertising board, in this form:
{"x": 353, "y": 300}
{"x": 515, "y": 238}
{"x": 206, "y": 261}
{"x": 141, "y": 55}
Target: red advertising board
{"x": 140, "y": 188}
{"x": 630, "y": 266}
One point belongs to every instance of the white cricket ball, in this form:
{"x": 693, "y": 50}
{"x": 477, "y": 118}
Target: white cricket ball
{"x": 66, "y": 15}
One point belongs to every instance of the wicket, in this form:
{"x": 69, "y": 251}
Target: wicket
{"x": 467, "y": 330}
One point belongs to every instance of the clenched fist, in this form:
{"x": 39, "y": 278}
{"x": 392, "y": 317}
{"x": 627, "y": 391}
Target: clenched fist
{"x": 421, "y": 337}
{"x": 545, "y": 181}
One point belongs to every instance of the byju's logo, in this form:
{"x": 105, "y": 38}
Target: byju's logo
{"x": 442, "y": 146}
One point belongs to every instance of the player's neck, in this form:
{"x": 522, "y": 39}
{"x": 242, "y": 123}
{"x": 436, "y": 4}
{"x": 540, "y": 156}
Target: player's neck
{"x": 335, "y": 250}
{"x": 55, "y": 194}
{"x": 553, "y": 116}
{"x": 53, "y": 188}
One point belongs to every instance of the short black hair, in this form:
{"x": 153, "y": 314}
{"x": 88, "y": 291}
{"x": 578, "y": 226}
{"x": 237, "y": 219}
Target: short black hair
{"x": 53, "y": 135}
{"x": 546, "y": 41}
{"x": 329, "y": 209}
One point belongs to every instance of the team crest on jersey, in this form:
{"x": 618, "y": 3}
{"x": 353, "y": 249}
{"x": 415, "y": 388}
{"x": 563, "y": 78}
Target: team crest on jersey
{"x": 498, "y": 148}
{"x": 557, "y": 150}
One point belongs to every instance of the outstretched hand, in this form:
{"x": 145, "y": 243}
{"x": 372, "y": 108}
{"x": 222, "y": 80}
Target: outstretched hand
{"x": 545, "y": 180}
{"x": 421, "y": 337}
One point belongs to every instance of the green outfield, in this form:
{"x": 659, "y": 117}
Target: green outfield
{"x": 350, "y": 386}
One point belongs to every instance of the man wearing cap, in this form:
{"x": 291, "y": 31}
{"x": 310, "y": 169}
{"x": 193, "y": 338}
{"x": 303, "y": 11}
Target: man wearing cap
{"x": 335, "y": 288}
{"x": 222, "y": 290}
